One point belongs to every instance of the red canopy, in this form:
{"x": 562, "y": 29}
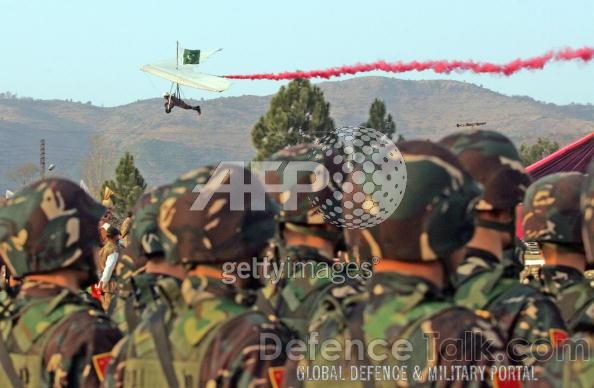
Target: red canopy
{"x": 574, "y": 157}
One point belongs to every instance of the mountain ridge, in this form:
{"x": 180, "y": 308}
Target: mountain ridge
{"x": 166, "y": 145}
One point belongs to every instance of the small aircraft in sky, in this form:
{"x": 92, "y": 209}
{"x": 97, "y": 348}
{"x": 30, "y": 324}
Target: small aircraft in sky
{"x": 185, "y": 72}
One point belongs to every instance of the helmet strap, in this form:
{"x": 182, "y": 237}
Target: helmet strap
{"x": 449, "y": 275}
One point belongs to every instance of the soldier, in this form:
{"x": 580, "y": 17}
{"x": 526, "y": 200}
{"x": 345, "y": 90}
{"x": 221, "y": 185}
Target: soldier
{"x": 107, "y": 261}
{"x": 105, "y": 222}
{"x": 552, "y": 217}
{"x": 483, "y": 280}
{"x": 406, "y": 297}
{"x": 216, "y": 341}
{"x": 146, "y": 264}
{"x": 573, "y": 365}
{"x": 302, "y": 238}
{"x": 50, "y": 336}
{"x": 172, "y": 101}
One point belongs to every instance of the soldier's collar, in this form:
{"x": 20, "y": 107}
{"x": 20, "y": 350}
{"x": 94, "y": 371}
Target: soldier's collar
{"x": 561, "y": 274}
{"x": 304, "y": 253}
{"x": 196, "y": 288}
{"x": 39, "y": 288}
{"x": 485, "y": 256}
{"x": 396, "y": 283}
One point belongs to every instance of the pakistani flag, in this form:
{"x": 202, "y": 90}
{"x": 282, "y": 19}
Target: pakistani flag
{"x": 191, "y": 57}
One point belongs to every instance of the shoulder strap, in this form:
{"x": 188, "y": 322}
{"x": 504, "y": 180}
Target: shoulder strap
{"x": 130, "y": 315}
{"x": 357, "y": 331}
{"x": 7, "y": 366}
{"x": 205, "y": 344}
{"x": 157, "y": 327}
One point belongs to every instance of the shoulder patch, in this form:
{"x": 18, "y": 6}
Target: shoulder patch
{"x": 277, "y": 376}
{"x": 504, "y": 383}
{"x": 557, "y": 336}
{"x": 100, "y": 362}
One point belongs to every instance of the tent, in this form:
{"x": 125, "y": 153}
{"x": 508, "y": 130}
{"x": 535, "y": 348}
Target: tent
{"x": 574, "y": 157}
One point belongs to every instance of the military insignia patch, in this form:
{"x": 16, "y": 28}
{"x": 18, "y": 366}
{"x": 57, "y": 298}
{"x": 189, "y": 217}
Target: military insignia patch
{"x": 100, "y": 362}
{"x": 501, "y": 383}
{"x": 277, "y": 376}
{"x": 557, "y": 336}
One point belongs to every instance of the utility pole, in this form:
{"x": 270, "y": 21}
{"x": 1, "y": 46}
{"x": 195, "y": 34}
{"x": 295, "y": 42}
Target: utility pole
{"x": 42, "y": 158}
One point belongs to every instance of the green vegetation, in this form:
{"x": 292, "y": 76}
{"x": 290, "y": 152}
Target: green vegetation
{"x": 531, "y": 153}
{"x": 128, "y": 185}
{"x": 298, "y": 113}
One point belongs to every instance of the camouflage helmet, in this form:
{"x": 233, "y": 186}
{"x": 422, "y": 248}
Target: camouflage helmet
{"x": 217, "y": 233}
{"x": 436, "y": 215}
{"x": 145, "y": 240}
{"x": 49, "y": 225}
{"x": 552, "y": 209}
{"x": 307, "y": 218}
{"x": 492, "y": 160}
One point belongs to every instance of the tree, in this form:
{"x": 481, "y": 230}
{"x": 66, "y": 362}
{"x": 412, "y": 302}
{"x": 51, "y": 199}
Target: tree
{"x": 23, "y": 174}
{"x": 379, "y": 121}
{"x": 298, "y": 113}
{"x": 95, "y": 168}
{"x": 128, "y": 186}
{"x": 535, "y": 152}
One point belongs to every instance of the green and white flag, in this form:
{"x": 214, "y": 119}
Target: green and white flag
{"x": 191, "y": 57}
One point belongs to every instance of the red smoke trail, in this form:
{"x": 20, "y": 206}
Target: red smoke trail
{"x": 537, "y": 63}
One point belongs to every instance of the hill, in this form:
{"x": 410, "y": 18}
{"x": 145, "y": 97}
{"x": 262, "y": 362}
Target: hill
{"x": 166, "y": 145}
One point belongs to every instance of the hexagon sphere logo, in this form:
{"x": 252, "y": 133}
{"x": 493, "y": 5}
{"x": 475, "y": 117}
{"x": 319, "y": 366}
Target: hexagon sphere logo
{"x": 367, "y": 177}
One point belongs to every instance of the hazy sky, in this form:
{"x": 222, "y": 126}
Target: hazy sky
{"x": 92, "y": 50}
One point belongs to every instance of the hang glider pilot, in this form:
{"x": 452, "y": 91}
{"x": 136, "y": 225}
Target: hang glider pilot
{"x": 172, "y": 101}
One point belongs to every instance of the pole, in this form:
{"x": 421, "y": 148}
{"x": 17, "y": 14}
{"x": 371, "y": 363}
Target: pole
{"x": 177, "y": 66}
{"x": 42, "y": 158}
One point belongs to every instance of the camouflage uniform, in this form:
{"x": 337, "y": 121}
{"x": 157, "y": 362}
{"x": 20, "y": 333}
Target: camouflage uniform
{"x": 110, "y": 288}
{"x": 483, "y": 281}
{"x": 568, "y": 367}
{"x": 434, "y": 220}
{"x": 50, "y": 335}
{"x": 293, "y": 297}
{"x": 137, "y": 289}
{"x": 552, "y": 215}
{"x": 202, "y": 337}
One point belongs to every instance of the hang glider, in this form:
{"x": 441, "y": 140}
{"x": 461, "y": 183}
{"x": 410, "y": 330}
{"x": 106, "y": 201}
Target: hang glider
{"x": 183, "y": 70}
